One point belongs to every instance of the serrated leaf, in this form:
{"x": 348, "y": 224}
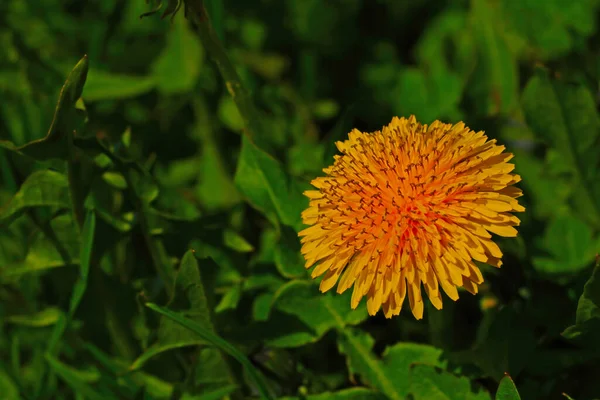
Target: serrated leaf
{"x": 43, "y": 252}
{"x": 390, "y": 374}
{"x": 40, "y": 189}
{"x": 319, "y": 312}
{"x": 170, "y": 334}
{"x": 430, "y": 383}
{"x": 587, "y": 320}
{"x": 267, "y": 186}
{"x": 220, "y": 343}
{"x": 507, "y": 390}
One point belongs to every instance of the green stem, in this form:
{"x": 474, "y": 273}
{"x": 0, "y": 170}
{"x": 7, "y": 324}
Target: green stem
{"x": 198, "y": 16}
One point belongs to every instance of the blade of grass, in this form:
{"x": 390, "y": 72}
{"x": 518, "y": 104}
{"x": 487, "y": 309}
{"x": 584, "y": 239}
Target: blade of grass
{"x": 223, "y": 345}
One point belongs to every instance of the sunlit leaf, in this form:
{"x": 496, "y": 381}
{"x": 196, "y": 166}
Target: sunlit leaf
{"x": 267, "y": 186}
{"x": 390, "y": 374}
{"x": 40, "y": 189}
{"x": 507, "y": 390}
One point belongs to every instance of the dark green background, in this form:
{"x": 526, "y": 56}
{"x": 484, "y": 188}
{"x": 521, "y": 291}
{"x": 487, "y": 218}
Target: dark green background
{"x": 103, "y": 196}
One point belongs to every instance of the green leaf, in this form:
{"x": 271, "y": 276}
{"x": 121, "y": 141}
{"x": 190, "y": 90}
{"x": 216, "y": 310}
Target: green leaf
{"x": 236, "y": 242}
{"x": 587, "y": 320}
{"x": 565, "y": 116}
{"x": 319, "y": 312}
{"x": 345, "y": 394}
{"x": 177, "y": 68}
{"x": 230, "y": 299}
{"x": 46, "y": 317}
{"x": 288, "y": 259}
{"x": 78, "y": 380}
{"x": 45, "y": 253}
{"x": 40, "y": 189}
{"x": 66, "y": 119}
{"x": 507, "y": 390}
{"x": 430, "y": 383}
{"x": 390, "y": 374}
{"x": 216, "y": 394}
{"x": 495, "y": 77}
{"x": 220, "y": 343}
{"x": 8, "y": 388}
{"x": 103, "y": 85}
{"x": 171, "y": 335}
{"x": 569, "y": 241}
{"x": 85, "y": 259}
{"x": 267, "y": 186}
{"x": 507, "y": 346}
{"x": 550, "y": 28}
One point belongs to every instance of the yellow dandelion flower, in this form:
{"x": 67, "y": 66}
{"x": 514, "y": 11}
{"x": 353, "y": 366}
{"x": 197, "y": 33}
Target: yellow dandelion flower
{"x": 407, "y": 207}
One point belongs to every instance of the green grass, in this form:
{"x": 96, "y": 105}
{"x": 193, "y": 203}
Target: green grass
{"x": 152, "y": 173}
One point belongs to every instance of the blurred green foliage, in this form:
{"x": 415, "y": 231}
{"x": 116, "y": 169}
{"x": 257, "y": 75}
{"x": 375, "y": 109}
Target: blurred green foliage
{"x": 138, "y": 183}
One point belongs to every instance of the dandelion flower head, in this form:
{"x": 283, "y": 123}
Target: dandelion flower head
{"x": 410, "y": 207}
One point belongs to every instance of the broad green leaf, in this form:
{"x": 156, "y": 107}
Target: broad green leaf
{"x": 507, "y": 346}
{"x": 85, "y": 259}
{"x": 319, "y": 312}
{"x": 390, "y": 374}
{"x": 78, "y": 380}
{"x": 47, "y": 317}
{"x": 550, "y": 28}
{"x": 45, "y": 253}
{"x": 587, "y": 320}
{"x": 267, "y": 186}
{"x": 288, "y": 259}
{"x": 176, "y": 69}
{"x": 220, "y": 343}
{"x": 8, "y": 388}
{"x": 215, "y": 188}
{"x": 41, "y": 189}
{"x": 549, "y": 194}
{"x": 345, "y": 394}
{"x": 66, "y": 119}
{"x": 191, "y": 293}
{"x": 507, "y": 390}
{"x": 103, "y": 85}
{"x": 565, "y": 116}
{"x": 569, "y": 241}
{"x": 211, "y": 374}
{"x": 495, "y": 80}
{"x": 430, "y": 383}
